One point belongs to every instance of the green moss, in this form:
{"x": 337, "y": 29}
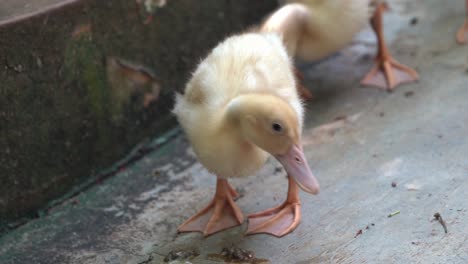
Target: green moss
{"x": 84, "y": 63}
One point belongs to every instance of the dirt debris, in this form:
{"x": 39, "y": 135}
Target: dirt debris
{"x": 156, "y": 172}
{"x": 414, "y": 21}
{"x": 181, "y": 255}
{"x": 343, "y": 117}
{"x": 278, "y": 169}
{"x": 361, "y": 231}
{"x": 240, "y": 193}
{"x": 237, "y": 255}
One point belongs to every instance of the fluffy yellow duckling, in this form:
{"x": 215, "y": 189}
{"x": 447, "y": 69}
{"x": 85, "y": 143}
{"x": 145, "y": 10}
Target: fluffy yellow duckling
{"x": 314, "y": 29}
{"x": 462, "y": 33}
{"x": 241, "y": 106}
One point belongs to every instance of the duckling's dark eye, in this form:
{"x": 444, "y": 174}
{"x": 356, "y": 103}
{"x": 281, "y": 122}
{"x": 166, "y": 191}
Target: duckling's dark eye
{"x": 277, "y": 127}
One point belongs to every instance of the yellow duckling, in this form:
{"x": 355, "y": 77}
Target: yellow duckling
{"x": 314, "y": 29}
{"x": 462, "y": 33}
{"x": 241, "y": 106}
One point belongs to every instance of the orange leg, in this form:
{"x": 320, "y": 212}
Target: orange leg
{"x": 280, "y": 220}
{"x": 220, "y": 214}
{"x": 388, "y": 73}
{"x": 303, "y": 92}
{"x": 462, "y": 33}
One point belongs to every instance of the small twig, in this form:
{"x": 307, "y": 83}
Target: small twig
{"x": 394, "y": 213}
{"x": 359, "y": 232}
{"x": 438, "y": 217}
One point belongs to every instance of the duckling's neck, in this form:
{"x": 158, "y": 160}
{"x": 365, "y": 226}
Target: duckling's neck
{"x": 290, "y": 22}
{"x": 223, "y": 148}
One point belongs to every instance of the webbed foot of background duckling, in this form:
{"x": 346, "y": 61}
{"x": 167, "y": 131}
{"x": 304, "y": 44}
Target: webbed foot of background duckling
{"x": 462, "y": 33}
{"x": 281, "y": 220}
{"x": 388, "y": 74}
{"x": 222, "y": 213}
{"x": 303, "y": 91}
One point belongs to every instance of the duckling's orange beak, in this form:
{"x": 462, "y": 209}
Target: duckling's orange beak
{"x": 296, "y": 165}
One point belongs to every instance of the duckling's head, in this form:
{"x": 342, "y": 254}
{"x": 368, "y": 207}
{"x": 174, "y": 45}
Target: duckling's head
{"x": 271, "y": 124}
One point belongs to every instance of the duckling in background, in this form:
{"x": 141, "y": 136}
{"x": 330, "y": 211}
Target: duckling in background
{"x": 240, "y": 107}
{"x": 462, "y": 33}
{"x": 314, "y": 29}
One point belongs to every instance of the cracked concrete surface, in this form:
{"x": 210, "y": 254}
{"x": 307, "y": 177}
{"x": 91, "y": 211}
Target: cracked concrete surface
{"x": 358, "y": 141}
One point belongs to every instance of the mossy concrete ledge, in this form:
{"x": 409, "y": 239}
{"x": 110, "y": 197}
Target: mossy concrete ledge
{"x": 82, "y": 82}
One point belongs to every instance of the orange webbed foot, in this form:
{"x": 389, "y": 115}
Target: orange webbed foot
{"x": 281, "y": 220}
{"x": 277, "y": 221}
{"x": 388, "y": 74}
{"x": 222, "y": 213}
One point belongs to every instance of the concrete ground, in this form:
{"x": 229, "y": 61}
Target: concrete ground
{"x": 358, "y": 141}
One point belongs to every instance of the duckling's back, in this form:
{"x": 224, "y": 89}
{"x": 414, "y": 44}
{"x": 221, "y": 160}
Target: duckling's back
{"x": 251, "y": 62}
{"x": 332, "y": 24}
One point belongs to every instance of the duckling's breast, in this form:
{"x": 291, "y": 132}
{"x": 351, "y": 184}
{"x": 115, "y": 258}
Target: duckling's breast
{"x": 232, "y": 158}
